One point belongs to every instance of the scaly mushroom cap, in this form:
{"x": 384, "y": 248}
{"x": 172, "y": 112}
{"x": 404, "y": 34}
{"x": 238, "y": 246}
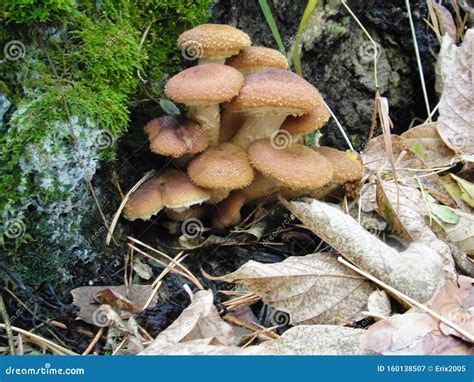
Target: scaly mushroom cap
{"x": 213, "y": 41}
{"x": 224, "y": 166}
{"x": 179, "y": 192}
{"x": 346, "y": 165}
{"x": 308, "y": 122}
{"x": 171, "y": 136}
{"x": 296, "y": 167}
{"x": 255, "y": 58}
{"x": 146, "y": 201}
{"x": 276, "y": 91}
{"x": 207, "y": 84}
{"x": 228, "y": 211}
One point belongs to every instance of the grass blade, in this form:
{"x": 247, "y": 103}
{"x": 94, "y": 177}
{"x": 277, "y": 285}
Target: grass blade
{"x": 296, "y": 51}
{"x": 272, "y": 24}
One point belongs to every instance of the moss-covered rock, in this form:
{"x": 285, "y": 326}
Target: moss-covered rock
{"x": 76, "y": 71}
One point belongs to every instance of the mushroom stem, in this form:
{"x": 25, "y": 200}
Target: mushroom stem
{"x": 209, "y": 118}
{"x": 257, "y": 127}
{"x": 211, "y": 61}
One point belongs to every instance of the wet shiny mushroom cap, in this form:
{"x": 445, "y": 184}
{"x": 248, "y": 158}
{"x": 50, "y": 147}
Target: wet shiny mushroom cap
{"x": 145, "y": 201}
{"x": 296, "y": 167}
{"x": 255, "y": 58}
{"x": 347, "y": 167}
{"x": 308, "y": 122}
{"x": 275, "y": 91}
{"x": 179, "y": 192}
{"x": 213, "y": 41}
{"x": 206, "y": 84}
{"x": 224, "y": 166}
{"x": 172, "y": 136}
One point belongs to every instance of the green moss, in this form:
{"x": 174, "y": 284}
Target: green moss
{"x": 98, "y": 57}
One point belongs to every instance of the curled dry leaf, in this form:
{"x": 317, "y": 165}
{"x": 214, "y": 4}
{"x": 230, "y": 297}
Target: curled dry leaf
{"x": 379, "y": 304}
{"x": 198, "y": 321}
{"x": 418, "y": 333}
{"x": 407, "y": 218}
{"x": 456, "y": 111}
{"x": 417, "y": 272}
{"x": 86, "y": 299}
{"x": 445, "y": 62}
{"x": 312, "y": 289}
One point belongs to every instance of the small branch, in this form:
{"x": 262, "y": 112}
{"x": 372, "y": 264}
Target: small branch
{"x": 8, "y": 327}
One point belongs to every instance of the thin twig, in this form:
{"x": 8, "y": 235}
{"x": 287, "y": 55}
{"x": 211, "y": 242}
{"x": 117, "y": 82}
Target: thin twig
{"x": 409, "y": 300}
{"x": 94, "y": 341}
{"x": 341, "y": 129}
{"x": 8, "y": 326}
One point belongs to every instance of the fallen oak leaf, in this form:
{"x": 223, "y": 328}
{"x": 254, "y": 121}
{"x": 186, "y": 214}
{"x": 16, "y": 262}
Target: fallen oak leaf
{"x": 417, "y": 271}
{"x": 456, "y": 114}
{"x": 116, "y": 300}
{"x": 312, "y": 289}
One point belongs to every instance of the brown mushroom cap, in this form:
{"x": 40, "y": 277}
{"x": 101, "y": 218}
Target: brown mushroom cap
{"x": 223, "y": 166}
{"x": 214, "y": 41}
{"x": 296, "y": 167}
{"x": 275, "y": 91}
{"x": 171, "y": 136}
{"x": 146, "y": 201}
{"x": 346, "y": 165}
{"x": 228, "y": 211}
{"x": 207, "y": 84}
{"x": 261, "y": 187}
{"x": 179, "y": 192}
{"x": 254, "y": 58}
{"x": 308, "y": 122}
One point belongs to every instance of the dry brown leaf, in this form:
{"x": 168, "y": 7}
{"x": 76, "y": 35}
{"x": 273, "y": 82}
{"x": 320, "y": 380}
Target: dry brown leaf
{"x": 379, "y": 304}
{"x": 200, "y": 320}
{"x": 456, "y": 111}
{"x": 312, "y": 289}
{"x": 201, "y": 346}
{"x": 462, "y": 233}
{"x": 418, "y": 333}
{"x": 408, "y": 220}
{"x": 435, "y": 151}
{"x": 84, "y": 298}
{"x": 115, "y": 300}
{"x": 314, "y": 340}
{"x": 446, "y": 21}
{"x": 417, "y": 272}
{"x": 445, "y": 62}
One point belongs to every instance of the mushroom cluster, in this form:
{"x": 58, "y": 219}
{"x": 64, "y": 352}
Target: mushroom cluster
{"x": 239, "y": 98}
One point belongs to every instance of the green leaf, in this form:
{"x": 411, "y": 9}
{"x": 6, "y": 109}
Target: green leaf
{"x": 467, "y": 190}
{"x": 428, "y": 197}
{"x": 169, "y": 107}
{"x": 296, "y": 52}
{"x": 419, "y": 150}
{"x": 272, "y": 24}
{"x": 446, "y": 214}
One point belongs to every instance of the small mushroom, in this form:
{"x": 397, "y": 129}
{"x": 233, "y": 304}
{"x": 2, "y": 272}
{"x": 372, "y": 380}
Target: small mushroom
{"x": 267, "y": 98}
{"x": 203, "y": 88}
{"x": 298, "y": 126}
{"x": 255, "y": 58}
{"x": 228, "y": 211}
{"x": 179, "y": 193}
{"x": 296, "y": 167}
{"x": 146, "y": 201}
{"x": 347, "y": 167}
{"x": 212, "y": 42}
{"x": 221, "y": 169}
{"x": 175, "y": 136}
